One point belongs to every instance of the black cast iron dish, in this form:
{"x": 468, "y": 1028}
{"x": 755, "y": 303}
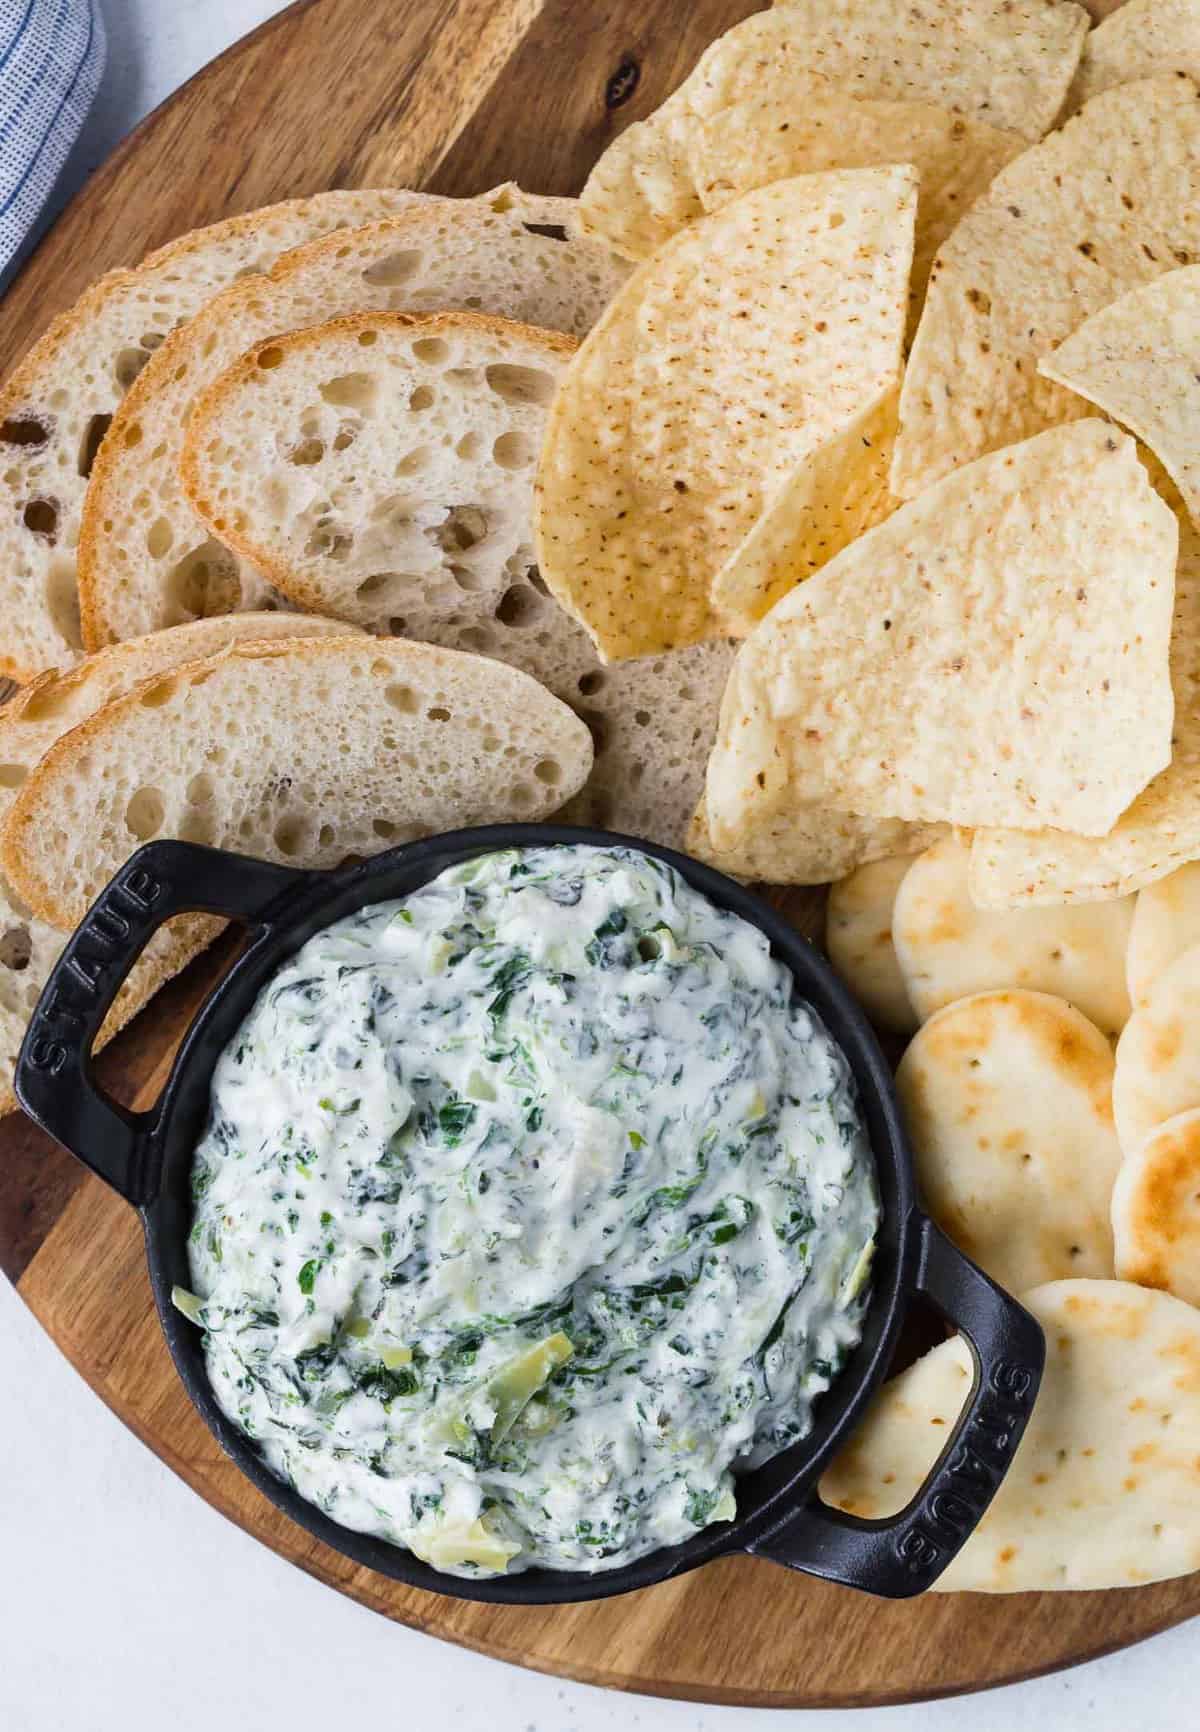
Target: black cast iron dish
{"x": 147, "y": 1158}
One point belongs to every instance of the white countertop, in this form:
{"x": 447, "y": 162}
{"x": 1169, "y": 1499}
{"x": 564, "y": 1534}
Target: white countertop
{"x": 126, "y": 1603}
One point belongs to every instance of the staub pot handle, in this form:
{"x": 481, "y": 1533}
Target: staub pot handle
{"x": 54, "y": 1080}
{"x": 904, "y": 1554}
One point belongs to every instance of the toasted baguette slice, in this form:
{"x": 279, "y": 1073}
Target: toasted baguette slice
{"x": 145, "y": 558}
{"x": 380, "y": 467}
{"x": 33, "y": 722}
{"x": 56, "y": 405}
{"x": 301, "y": 752}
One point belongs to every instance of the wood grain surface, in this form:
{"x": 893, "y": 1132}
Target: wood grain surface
{"x": 454, "y": 95}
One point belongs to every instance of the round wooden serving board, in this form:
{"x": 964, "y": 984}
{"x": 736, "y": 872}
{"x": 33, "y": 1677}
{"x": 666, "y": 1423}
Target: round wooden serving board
{"x": 454, "y": 95}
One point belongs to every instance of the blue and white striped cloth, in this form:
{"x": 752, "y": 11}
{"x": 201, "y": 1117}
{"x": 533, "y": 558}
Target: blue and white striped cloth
{"x": 51, "y": 59}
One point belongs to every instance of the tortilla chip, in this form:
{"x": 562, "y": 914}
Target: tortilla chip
{"x": 1111, "y": 201}
{"x": 1159, "y": 832}
{"x": 1103, "y": 1491}
{"x": 999, "y": 644}
{"x": 755, "y": 142}
{"x": 1140, "y": 40}
{"x": 1005, "y": 65}
{"x": 811, "y": 845}
{"x": 722, "y": 367}
{"x": 840, "y": 493}
{"x": 642, "y": 191}
{"x": 1006, "y": 62}
{"x": 1139, "y": 361}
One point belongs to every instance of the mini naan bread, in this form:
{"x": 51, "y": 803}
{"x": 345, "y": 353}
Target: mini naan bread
{"x": 1156, "y": 1210}
{"x": 947, "y": 948}
{"x": 1138, "y": 359}
{"x": 1139, "y": 40}
{"x": 721, "y": 369}
{"x": 1158, "y": 1055}
{"x": 1166, "y": 922}
{"x": 858, "y": 939}
{"x": 1104, "y": 1491}
{"x": 999, "y": 645}
{"x": 1007, "y": 1096}
{"x": 1111, "y": 201}
{"x": 1159, "y": 832}
{"x": 994, "y": 64}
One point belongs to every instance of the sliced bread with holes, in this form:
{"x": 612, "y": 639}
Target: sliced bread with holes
{"x": 56, "y": 406}
{"x": 653, "y": 723}
{"x": 145, "y": 559}
{"x": 37, "y": 719}
{"x": 301, "y": 752}
{"x": 380, "y": 467}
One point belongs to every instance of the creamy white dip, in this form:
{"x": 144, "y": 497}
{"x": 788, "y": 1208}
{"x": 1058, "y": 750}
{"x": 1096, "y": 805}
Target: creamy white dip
{"x": 530, "y": 1209}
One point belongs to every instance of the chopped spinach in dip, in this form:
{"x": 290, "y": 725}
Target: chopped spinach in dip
{"x": 530, "y": 1209}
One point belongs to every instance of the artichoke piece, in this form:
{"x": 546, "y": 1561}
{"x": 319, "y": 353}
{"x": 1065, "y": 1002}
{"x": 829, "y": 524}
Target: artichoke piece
{"x": 860, "y": 1274}
{"x": 189, "y": 1303}
{"x": 455, "y": 1544}
{"x": 517, "y": 1382}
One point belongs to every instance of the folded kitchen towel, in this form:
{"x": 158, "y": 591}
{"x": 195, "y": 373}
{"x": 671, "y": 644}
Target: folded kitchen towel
{"x": 51, "y": 58}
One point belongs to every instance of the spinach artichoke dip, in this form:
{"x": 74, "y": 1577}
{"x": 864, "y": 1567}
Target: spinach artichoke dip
{"x": 530, "y": 1209}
